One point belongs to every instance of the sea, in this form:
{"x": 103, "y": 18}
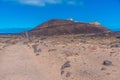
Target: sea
{"x": 13, "y": 30}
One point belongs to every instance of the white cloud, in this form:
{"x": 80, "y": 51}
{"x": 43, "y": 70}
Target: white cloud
{"x": 71, "y": 2}
{"x": 44, "y": 2}
{"x": 39, "y": 2}
{"x": 74, "y": 3}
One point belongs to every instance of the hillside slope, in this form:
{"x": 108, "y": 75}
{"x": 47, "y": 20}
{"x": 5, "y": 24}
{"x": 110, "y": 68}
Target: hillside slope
{"x": 60, "y": 27}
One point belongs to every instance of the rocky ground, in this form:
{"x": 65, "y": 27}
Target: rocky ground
{"x": 59, "y": 58}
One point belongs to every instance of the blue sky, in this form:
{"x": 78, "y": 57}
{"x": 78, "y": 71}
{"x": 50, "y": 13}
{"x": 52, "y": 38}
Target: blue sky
{"x": 27, "y": 14}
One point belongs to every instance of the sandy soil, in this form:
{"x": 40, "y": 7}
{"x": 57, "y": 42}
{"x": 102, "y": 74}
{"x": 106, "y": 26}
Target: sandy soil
{"x": 59, "y": 58}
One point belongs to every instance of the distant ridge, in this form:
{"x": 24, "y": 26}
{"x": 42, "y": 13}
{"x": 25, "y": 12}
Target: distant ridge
{"x": 61, "y": 27}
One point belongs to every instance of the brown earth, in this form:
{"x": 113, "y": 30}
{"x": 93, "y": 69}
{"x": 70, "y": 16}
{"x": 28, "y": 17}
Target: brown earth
{"x": 65, "y": 57}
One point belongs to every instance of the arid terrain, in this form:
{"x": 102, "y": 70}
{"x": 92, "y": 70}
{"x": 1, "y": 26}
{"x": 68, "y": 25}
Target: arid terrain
{"x": 65, "y": 57}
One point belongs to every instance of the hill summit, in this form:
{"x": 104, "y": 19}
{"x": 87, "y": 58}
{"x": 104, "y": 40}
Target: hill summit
{"x": 61, "y": 27}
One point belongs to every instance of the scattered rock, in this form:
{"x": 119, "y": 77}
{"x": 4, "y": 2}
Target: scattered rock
{"x": 50, "y": 50}
{"x": 115, "y": 45}
{"x": 36, "y": 49}
{"x": 63, "y": 46}
{"x": 118, "y": 37}
{"x": 107, "y": 63}
{"x": 68, "y": 74}
{"x": 72, "y": 40}
{"x": 62, "y": 72}
{"x": 108, "y": 73}
{"x": 103, "y": 68}
{"x": 65, "y": 65}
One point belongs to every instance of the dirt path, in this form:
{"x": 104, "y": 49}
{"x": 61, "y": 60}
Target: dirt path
{"x": 17, "y": 63}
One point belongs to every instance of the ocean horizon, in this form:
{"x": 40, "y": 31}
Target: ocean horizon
{"x": 14, "y": 30}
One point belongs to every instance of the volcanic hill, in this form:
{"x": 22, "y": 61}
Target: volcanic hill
{"x": 61, "y": 27}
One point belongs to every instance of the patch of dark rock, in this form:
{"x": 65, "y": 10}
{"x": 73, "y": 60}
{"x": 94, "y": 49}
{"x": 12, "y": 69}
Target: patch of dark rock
{"x": 103, "y": 68}
{"x": 72, "y": 40}
{"x": 108, "y": 73}
{"x": 68, "y": 74}
{"x": 112, "y": 52}
{"x": 13, "y": 42}
{"x": 37, "y": 54}
{"x": 28, "y": 45}
{"x": 118, "y": 37}
{"x": 65, "y": 65}
{"x": 63, "y": 46}
{"x": 62, "y": 72}
{"x": 107, "y": 63}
